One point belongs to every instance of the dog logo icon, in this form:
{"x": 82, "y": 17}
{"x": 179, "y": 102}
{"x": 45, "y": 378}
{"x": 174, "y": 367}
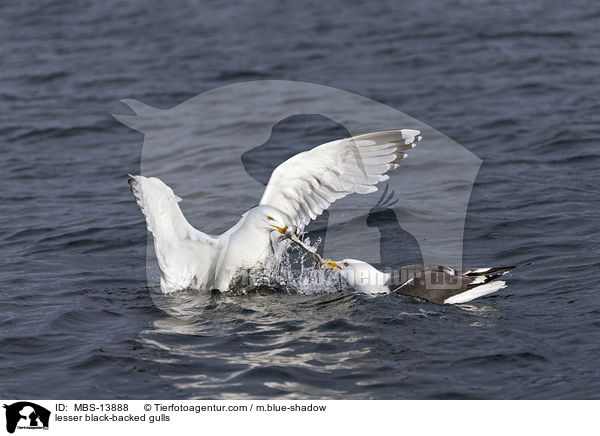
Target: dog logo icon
{"x": 26, "y": 415}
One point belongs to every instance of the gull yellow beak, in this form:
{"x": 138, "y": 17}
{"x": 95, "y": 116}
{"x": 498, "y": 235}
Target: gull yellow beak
{"x": 281, "y": 230}
{"x": 331, "y": 265}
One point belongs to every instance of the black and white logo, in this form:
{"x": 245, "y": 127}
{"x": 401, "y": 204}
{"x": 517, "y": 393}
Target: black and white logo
{"x": 26, "y": 415}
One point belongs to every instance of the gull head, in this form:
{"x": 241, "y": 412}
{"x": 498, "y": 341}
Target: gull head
{"x": 272, "y": 219}
{"x": 363, "y": 277}
{"x": 352, "y": 269}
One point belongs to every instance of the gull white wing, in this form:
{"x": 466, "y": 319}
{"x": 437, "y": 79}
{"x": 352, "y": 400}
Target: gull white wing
{"x": 184, "y": 254}
{"x": 306, "y": 184}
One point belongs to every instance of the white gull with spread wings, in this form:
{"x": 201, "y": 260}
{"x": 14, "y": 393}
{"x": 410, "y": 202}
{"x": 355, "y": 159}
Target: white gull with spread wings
{"x": 299, "y": 190}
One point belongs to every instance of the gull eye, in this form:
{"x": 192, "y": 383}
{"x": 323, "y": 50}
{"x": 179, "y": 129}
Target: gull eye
{"x": 270, "y": 218}
{"x": 345, "y": 263}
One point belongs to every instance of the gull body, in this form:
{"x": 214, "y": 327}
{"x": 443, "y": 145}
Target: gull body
{"x": 299, "y": 190}
{"x": 235, "y": 255}
{"x": 439, "y": 284}
{"x": 188, "y": 258}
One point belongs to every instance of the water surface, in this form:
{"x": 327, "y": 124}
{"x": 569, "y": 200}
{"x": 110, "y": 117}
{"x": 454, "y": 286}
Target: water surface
{"x": 516, "y": 83}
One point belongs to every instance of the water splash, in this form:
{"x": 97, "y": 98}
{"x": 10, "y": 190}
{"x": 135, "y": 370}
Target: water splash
{"x": 291, "y": 270}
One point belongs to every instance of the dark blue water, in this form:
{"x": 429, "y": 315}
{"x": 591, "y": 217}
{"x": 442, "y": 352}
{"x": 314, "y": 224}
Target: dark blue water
{"x": 514, "y": 82}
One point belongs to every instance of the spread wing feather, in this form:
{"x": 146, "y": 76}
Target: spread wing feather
{"x": 184, "y": 253}
{"x": 306, "y": 184}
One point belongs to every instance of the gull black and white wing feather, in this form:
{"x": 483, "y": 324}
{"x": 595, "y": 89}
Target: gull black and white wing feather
{"x": 306, "y": 184}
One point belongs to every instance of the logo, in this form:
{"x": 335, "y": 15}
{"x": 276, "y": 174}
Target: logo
{"x": 26, "y": 415}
